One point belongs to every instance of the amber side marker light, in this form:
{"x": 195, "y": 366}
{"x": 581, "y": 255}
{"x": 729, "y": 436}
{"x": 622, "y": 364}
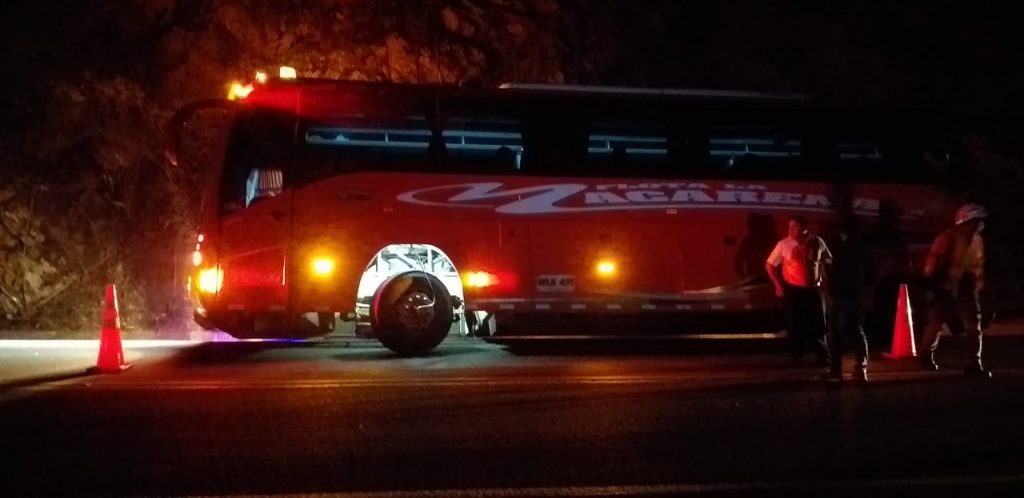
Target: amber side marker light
{"x": 323, "y": 266}
{"x": 606, "y": 268}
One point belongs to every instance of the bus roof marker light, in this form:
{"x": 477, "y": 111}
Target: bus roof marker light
{"x": 239, "y": 91}
{"x": 287, "y": 73}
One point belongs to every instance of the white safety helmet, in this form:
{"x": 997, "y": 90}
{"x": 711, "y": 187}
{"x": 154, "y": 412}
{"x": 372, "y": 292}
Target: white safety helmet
{"x": 969, "y": 212}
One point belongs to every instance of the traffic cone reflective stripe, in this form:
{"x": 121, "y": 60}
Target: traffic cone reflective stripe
{"x": 903, "y": 330}
{"x": 111, "y": 356}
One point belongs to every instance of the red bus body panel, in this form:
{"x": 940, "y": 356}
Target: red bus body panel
{"x": 675, "y": 245}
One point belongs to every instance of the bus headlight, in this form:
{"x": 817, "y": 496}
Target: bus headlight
{"x": 210, "y": 280}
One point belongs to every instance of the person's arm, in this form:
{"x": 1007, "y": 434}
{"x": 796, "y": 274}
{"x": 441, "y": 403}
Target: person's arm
{"x": 824, "y": 264}
{"x": 826, "y": 255}
{"x": 937, "y": 250}
{"x": 979, "y": 268}
{"x": 771, "y": 267}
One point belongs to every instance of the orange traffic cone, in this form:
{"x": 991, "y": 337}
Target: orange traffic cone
{"x": 903, "y": 330}
{"x": 111, "y": 357}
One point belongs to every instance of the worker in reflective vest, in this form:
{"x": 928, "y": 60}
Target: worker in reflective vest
{"x": 955, "y": 273}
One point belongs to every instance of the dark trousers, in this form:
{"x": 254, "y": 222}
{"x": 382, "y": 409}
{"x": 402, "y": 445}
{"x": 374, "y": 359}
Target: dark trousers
{"x": 847, "y": 328}
{"x": 961, "y": 312}
{"x": 806, "y": 322}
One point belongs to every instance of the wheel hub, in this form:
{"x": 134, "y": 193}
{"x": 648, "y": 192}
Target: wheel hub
{"x": 415, "y": 311}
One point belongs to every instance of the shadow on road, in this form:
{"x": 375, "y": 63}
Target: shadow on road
{"x": 378, "y": 352}
{"x": 643, "y": 347}
{"x": 209, "y": 353}
{"x": 39, "y": 380}
{"x": 215, "y": 353}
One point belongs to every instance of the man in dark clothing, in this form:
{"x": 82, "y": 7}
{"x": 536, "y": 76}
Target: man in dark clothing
{"x": 847, "y": 287}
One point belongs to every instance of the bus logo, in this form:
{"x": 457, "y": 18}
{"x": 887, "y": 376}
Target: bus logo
{"x": 581, "y": 197}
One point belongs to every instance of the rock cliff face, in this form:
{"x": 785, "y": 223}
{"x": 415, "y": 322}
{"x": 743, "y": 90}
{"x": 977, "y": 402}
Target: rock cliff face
{"x": 86, "y": 87}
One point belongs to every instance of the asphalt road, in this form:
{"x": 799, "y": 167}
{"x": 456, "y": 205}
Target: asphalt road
{"x": 474, "y": 419}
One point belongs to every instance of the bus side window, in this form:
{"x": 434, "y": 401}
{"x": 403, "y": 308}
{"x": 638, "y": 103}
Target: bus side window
{"x": 625, "y": 150}
{"x": 479, "y": 146}
{"x": 819, "y": 153}
{"x": 881, "y": 155}
{"x": 688, "y": 150}
{"x": 754, "y": 152}
{"x": 554, "y": 146}
{"x": 506, "y": 158}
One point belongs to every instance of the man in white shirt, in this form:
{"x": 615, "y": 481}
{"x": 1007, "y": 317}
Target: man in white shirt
{"x": 801, "y": 256}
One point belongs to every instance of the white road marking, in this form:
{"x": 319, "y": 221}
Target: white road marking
{"x": 90, "y": 343}
{"x": 635, "y": 337}
{"x": 687, "y": 378}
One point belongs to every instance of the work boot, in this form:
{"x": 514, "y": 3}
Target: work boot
{"x": 860, "y": 376}
{"x": 928, "y": 362}
{"x": 976, "y": 370}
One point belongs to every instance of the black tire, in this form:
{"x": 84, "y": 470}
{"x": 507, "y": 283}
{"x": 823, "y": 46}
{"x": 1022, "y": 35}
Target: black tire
{"x": 411, "y": 313}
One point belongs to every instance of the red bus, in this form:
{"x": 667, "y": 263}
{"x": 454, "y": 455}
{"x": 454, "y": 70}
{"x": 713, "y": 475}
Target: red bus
{"x": 531, "y": 209}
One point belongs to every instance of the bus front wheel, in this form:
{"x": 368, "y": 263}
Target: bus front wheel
{"x": 411, "y": 313}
